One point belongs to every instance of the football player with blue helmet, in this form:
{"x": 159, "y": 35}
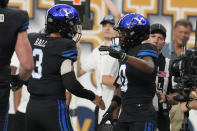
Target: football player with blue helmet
{"x": 136, "y": 74}
{"x": 54, "y": 53}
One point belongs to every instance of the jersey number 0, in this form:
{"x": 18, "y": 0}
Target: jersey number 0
{"x": 123, "y": 78}
{"x": 37, "y": 72}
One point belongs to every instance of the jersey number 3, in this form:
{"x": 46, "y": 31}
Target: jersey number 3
{"x": 38, "y": 55}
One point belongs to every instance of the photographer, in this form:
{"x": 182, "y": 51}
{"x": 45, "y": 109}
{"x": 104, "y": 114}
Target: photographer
{"x": 173, "y": 51}
{"x": 182, "y": 31}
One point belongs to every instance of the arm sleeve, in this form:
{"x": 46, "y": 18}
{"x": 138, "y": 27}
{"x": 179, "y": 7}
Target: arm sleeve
{"x": 71, "y": 84}
{"x": 148, "y": 50}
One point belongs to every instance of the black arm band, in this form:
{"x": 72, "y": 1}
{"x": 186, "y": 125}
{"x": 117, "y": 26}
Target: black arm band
{"x": 117, "y": 99}
{"x": 71, "y": 84}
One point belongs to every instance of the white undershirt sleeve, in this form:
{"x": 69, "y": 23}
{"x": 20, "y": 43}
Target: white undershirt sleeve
{"x": 66, "y": 67}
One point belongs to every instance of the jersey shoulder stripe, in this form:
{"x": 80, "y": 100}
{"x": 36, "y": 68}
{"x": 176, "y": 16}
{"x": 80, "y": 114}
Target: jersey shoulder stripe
{"x": 148, "y": 50}
{"x": 25, "y": 26}
{"x": 70, "y": 54}
{"x": 140, "y": 54}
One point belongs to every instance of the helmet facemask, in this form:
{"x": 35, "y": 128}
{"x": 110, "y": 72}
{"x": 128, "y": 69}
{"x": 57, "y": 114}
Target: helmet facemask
{"x": 126, "y": 38}
{"x": 78, "y": 34}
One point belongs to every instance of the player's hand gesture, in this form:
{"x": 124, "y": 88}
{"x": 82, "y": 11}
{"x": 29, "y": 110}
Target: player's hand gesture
{"x": 99, "y": 102}
{"x": 112, "y": 51}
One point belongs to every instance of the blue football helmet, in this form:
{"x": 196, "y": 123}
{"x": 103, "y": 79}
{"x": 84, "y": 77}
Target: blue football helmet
{"x": 133, "y": 29}
{"x": 64, "y": 19}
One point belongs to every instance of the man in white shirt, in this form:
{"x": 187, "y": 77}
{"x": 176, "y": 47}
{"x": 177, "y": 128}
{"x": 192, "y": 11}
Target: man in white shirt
{"x": 105, "y": 67}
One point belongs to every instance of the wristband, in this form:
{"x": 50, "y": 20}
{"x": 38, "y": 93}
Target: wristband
{"x": 124, "y": 57}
